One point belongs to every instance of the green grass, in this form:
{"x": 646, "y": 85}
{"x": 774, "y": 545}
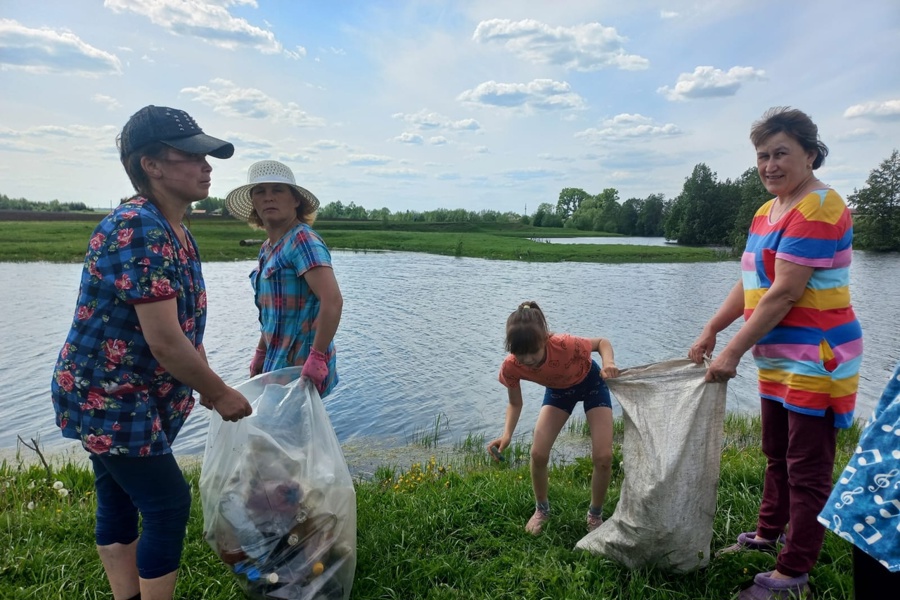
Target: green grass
{"x": 219, "y": 240}
{"x": 430, "y": 530}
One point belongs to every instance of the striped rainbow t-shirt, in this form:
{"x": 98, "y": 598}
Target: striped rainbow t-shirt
{"x": 809, "y": 361}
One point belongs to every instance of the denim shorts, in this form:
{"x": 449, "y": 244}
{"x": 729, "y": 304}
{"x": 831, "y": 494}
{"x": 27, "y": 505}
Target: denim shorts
{"x": 154, "y": 487}
{"x": 591, "y": 390}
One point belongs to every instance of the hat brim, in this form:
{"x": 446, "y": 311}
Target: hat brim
{"x": 239, "y": 204}
{"x": 202, "y": 144}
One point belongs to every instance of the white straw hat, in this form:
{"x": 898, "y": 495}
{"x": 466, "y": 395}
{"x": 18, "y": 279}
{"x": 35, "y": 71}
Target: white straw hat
{"x": 238, "y": 201}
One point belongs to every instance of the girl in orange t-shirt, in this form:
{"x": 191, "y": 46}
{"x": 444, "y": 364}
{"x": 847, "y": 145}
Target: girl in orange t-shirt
{"x": 563, "y": 364}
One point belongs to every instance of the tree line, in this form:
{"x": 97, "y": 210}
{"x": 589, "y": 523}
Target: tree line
{"x": 713, "y": 212}
{"x": 7, "y": 203}
{"x": 706, "y": 212}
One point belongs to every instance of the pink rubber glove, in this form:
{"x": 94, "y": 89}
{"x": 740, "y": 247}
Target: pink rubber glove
{"x": 259, "y": 359}
{"x": 316, "y": 368}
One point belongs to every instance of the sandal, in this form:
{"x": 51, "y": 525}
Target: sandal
{"x": 747, "y": 541}
{"x": 765, "y": 587}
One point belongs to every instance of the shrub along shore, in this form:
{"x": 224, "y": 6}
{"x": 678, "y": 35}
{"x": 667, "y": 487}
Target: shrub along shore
{"x": 226, "y": 239}
{"x": 435, "y": 529}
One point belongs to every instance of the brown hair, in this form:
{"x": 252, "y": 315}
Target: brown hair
{"x": 132, "y": 163}
{"x": 305, "y": 212}
{"x": 526, "y": 329}
{"x": 793, "y": 122}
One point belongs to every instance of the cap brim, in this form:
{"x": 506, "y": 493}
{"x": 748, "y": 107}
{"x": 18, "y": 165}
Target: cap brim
{"x": 202, "y": 144}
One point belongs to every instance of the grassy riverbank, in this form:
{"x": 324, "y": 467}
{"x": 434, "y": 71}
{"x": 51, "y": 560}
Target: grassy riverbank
{"x": 220, "y": 240}
{"x": 443, "y": 531}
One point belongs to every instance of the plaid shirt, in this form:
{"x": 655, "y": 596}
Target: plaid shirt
{"x": 108, "y": 390}
{"x": 287, "y": 306}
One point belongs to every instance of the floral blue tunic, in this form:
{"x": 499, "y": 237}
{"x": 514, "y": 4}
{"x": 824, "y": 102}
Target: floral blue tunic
{"x": 108, "y": 390}
{"x": 864, "y": 507}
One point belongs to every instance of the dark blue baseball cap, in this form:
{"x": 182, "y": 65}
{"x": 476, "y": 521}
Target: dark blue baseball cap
{"x": 171, "y": 127}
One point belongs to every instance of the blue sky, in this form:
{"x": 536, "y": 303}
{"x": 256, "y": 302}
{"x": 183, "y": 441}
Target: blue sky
{"x": 418, "y": 105}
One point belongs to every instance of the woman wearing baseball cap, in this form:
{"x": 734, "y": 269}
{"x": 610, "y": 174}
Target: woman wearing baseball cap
{"x": 124, "y": 380}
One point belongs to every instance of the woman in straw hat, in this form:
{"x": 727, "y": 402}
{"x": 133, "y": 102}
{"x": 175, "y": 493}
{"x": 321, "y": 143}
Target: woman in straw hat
{"x": 123, "y": 383}
{"x": 297, "y": 294}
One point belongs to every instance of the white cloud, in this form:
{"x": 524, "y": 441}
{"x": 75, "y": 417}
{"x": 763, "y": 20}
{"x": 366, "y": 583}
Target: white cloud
{"x": 228, "y": 99}
{"x": 668, "y": 14}
{"x": 438, "y": 140}
{"x": 398, "y": 173}
{"x": 208, "y": 21}
{"x": 586, "y": 47}
{"x": 47, "y": 50}
{"x": 530, "y": 174}
{"x": 709, "y": 82}
{"x": 425, "y": 120}
{"x": 409, "y": 138}
{"x": 80, "y": 132}
{"x": 108, "y": 101}
{"x": 537, "y": 95}
{"x": 888, "y": 110}
{"x": 328, "y": 145}
{"x": 465, "y": 125}
{"x": 628, "y": 127}
{"x": 364, "y": 160}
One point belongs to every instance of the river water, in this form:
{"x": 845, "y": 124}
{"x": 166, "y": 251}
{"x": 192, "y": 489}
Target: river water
{"x": 421, "y": 339}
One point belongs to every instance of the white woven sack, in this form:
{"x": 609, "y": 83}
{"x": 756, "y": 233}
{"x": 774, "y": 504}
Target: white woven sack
{"x": 671, "y": 453}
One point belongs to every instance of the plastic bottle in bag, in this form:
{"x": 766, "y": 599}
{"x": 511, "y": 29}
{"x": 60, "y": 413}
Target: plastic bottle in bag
{"x": 253, "y": 543}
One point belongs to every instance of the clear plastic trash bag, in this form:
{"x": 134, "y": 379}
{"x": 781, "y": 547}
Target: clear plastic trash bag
{"x": 279, "y": 507}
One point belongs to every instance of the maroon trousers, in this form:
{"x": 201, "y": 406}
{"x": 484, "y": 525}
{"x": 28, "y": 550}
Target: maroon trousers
{"x": 800, "y": 451}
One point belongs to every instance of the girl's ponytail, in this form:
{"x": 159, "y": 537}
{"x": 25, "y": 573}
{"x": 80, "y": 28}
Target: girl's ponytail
{"x": 526, "y": 329}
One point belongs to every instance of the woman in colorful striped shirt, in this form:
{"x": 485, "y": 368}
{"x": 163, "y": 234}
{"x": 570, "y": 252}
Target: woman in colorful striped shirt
{"x": 794, "y": 296}
{"x": 297, "y": 295}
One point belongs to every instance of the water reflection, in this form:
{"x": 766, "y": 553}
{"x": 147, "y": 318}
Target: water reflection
{"x": 422, "y": 335}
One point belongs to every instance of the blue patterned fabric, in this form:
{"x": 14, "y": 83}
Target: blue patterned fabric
{"x": 108, "y": 389}
{"x": 864, "y": 507}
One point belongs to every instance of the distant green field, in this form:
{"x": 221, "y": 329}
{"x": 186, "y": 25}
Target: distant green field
{"x": 220, "y": 240}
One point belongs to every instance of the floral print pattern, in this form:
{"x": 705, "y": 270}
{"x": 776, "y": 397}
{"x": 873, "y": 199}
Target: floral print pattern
{"x": 108, "y": 390}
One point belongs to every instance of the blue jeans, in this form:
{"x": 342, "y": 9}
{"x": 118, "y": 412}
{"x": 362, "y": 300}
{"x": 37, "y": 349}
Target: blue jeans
{"x": 154, "y": 487}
